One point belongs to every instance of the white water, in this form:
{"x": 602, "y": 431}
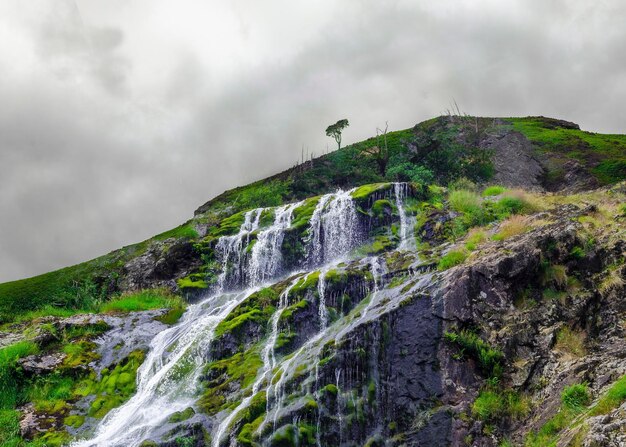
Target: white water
{"x": 266, "y": 259}
{"x": 406, "y": 223}
{"x": 333, "y": 230}
{"x": 321, "y": 291}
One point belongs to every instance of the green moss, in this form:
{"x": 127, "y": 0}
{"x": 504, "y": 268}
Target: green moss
{"x": 80, "y": 353}
{"x": 302, "y": 215}
{"x": 114, "y": 386}
{"x": 171, "y": 316}
{"x": 241, "y": 368}
{"x": 74, "y": 420}
{"x": 181, "y": 416}
{"x": 190, "y": 283}
{"x": 363, "y": 192}
{"x": 185, "y": 231}
{"x": 381, "y": 207}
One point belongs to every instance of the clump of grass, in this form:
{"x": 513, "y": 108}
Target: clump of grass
{"x": 489, "y": 359}
{"x": 612, "y": 399}
{"x": 491, "y": 405}
{"x": 464, "y": 201}
{"x": 513, "y": 226}
{"x": 576, "y": 397}
{"x": 143, "y": 300}
{"x": 571, "y": 342}
{"x": 494, "y": 190}
{"x": 452, "y": 258}
{"x": 555, "y": 275}
{"x": 475, "y": 237}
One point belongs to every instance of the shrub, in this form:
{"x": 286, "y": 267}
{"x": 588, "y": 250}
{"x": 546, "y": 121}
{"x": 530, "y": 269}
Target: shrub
{"x": 576, "y": 397}
{"x": 452, "y": 258}
{"x": 494, "y": 190}
{"x": 409, "y": 172}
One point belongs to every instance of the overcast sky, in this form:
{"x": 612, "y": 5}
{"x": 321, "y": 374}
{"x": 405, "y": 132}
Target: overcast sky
{"x": 118, "y": 118}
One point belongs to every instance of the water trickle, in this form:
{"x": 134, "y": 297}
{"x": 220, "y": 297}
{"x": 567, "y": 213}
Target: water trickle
{"x": 269, "y": 361}
{"x": 406, "y": 223}
{"x": 339, "y": 409}
{"x": 321, "y": 291}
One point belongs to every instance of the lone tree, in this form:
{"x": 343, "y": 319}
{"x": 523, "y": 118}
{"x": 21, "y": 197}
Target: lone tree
{"x": 334, "y": 130}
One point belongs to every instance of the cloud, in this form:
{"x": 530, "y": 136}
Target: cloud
{"x": 119, "y": 118}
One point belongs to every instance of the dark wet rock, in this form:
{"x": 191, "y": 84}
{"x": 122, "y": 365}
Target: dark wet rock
{"x": 161, "y": 264}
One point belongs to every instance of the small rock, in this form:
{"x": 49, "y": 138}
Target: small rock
{"x": 41, "y": 364}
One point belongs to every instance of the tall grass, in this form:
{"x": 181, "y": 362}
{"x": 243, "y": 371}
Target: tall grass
{"x": 9, "y": 356}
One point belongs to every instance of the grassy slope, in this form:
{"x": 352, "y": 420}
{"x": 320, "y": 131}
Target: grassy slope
{"x": 604, "y": 154}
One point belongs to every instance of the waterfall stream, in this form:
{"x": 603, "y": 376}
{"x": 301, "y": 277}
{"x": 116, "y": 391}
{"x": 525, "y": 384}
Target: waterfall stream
{"x": 169, "y": 379}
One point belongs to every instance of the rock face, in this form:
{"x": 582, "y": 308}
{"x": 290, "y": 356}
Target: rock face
{"x": 514, "y": 161}
{"x": 41, "y": 364}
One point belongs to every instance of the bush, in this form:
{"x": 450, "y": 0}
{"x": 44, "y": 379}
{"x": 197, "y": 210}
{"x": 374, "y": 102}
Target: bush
{"x": 576, "y": 397}
{"x": 409, "y": 172}
{"x": 494, "y": 190}
{"x": 452, "y": 258}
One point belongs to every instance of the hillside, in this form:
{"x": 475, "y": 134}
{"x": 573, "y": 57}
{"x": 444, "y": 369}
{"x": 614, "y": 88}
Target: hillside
{"x": 465, "y": 286}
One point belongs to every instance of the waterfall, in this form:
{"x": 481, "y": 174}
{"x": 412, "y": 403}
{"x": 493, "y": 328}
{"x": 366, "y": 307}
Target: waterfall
{"x": 165, "y": 383}
{"x": 406, "y": 223}
{"x": 333, "y": 228}
{"x": 169, "y": 379}
{"x": 266, "y": 259}
{"x": 268, "y": 364}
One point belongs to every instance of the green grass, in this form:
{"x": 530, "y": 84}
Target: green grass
{"x": 451, "y": 259}
{"x": 602, "y": 156}
{"x": 494, "y": 190}
{"x": 492, "y": 406}
{"x": 614, "y": 397}
{"x": 489, "y": 359}
{"x": 142, "y": 300}
{"x": 576, "y": 397}
{"x": 9, "y": 373}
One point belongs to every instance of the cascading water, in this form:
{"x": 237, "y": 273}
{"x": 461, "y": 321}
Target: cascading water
{"x": 165, "y": 381}
{"x": 168, "y": 380}
{"x": 266, "y": 259}
{"x": 406, "y": 223}
{"x": 334, "y": 228}
{"x": 321, "y": 291}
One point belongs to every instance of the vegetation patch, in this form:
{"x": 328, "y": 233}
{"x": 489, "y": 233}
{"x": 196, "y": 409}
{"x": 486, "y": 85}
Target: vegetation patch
{"x": 451, "y": 259}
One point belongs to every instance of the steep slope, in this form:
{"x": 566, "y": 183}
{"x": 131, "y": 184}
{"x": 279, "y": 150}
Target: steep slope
{"x": 387, "y": 313}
